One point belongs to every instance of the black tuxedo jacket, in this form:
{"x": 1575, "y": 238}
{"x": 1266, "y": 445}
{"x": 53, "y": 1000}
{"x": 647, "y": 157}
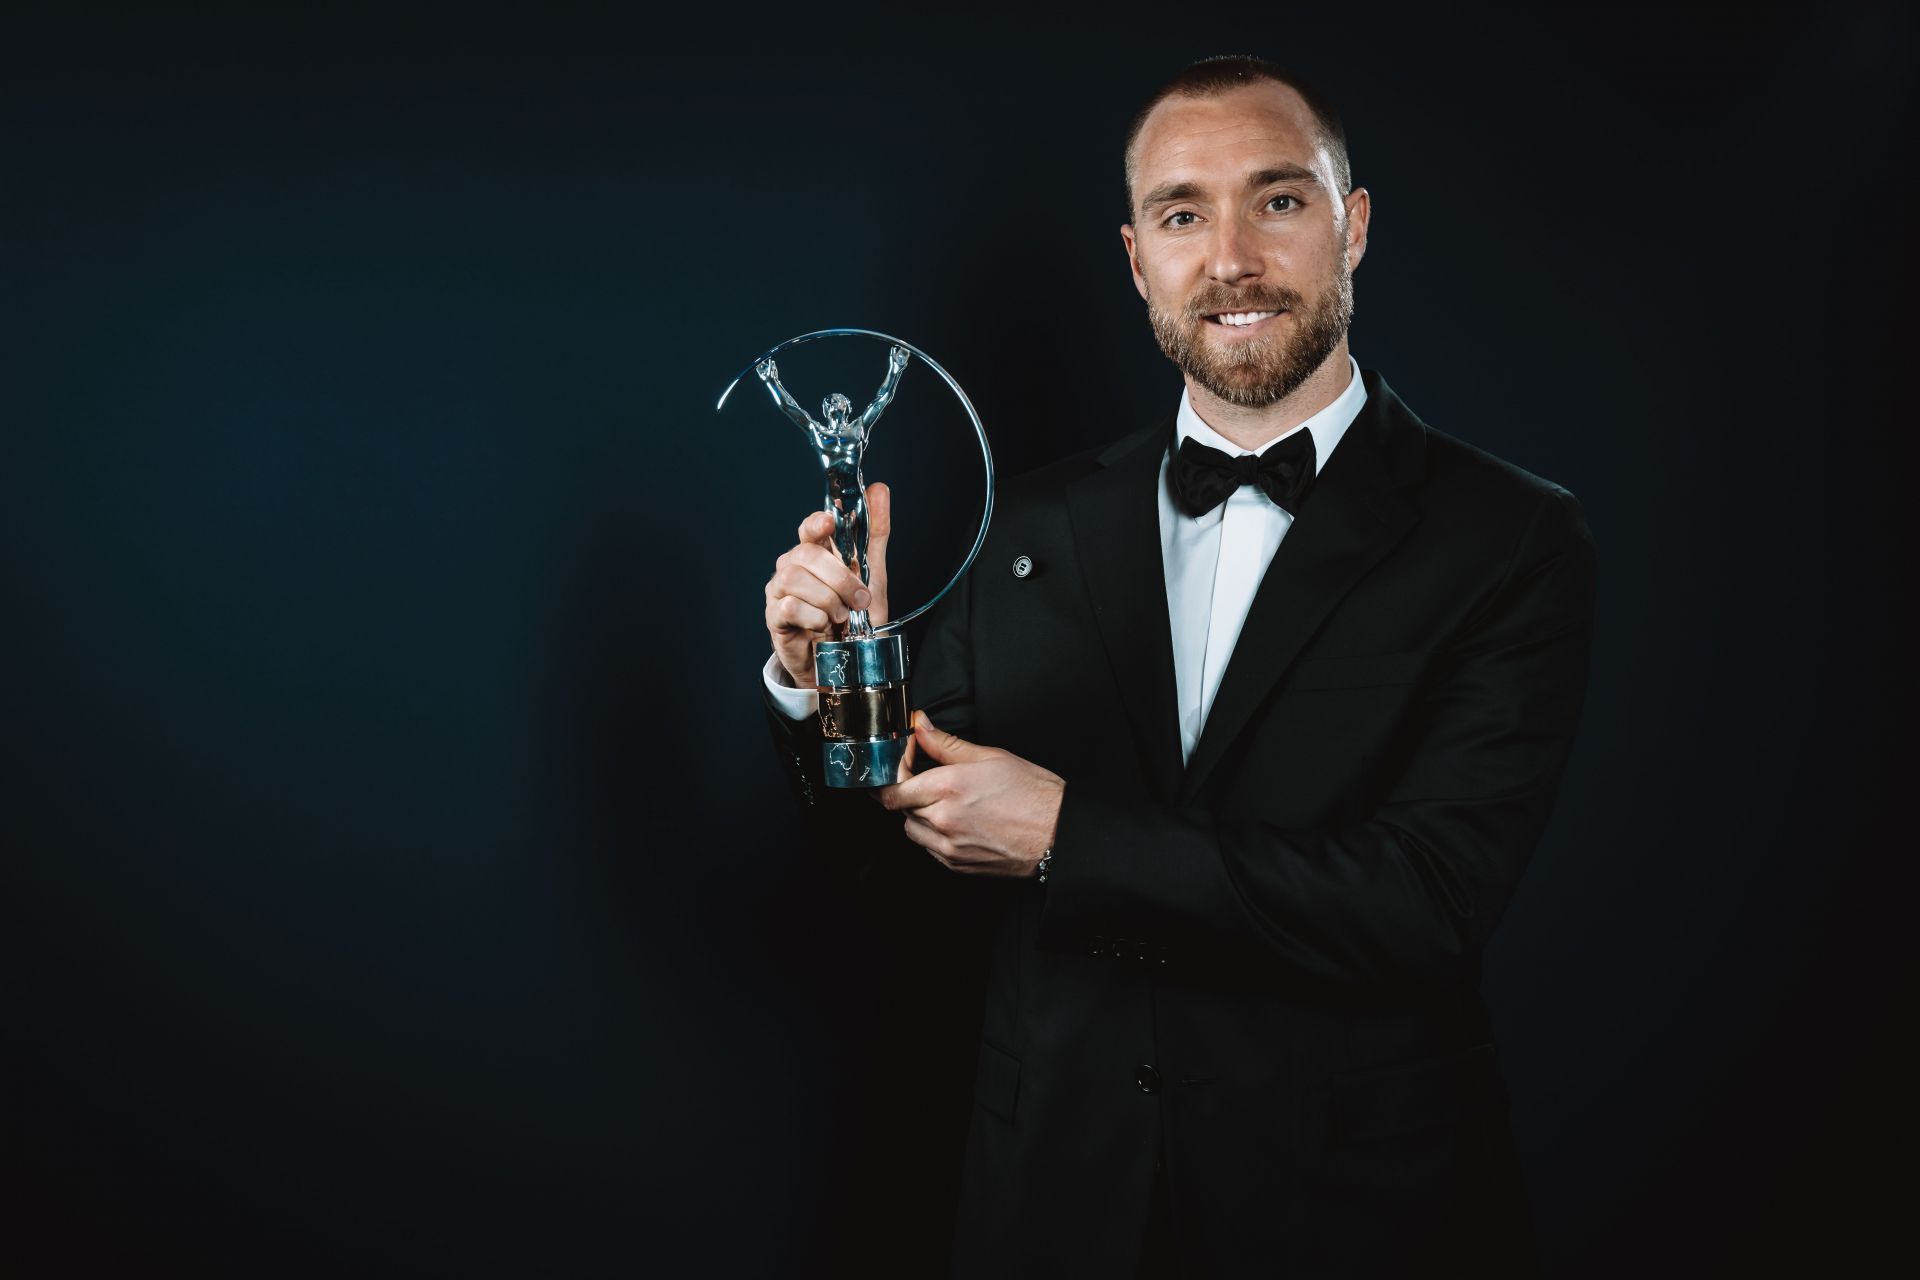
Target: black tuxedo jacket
{"x": 1261, "y": 969}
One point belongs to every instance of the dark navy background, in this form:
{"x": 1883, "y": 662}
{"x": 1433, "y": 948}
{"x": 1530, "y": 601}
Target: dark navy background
{"x": 396, "y": 875}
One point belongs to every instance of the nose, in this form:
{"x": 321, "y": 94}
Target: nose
{"x": 1232, "y": 257}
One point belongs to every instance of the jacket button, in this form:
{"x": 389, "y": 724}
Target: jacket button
{"x": 1147, "y": 1078}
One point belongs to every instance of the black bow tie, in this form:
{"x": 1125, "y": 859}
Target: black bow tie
{"x": 1202, "y": 478}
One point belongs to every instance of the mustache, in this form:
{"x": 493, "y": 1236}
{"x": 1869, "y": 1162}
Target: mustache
{"x": 1218, "y": 298}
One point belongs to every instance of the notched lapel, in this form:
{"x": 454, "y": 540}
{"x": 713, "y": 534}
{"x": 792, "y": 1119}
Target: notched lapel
{"x": 1116, "y": 532}
{"x": 1352, "y": 517}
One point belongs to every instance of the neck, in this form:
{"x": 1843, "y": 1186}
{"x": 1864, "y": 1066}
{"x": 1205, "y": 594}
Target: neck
{"x": 1251, "y": 427}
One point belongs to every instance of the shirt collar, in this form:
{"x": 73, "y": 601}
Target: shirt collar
{"x": 1327, "y": 426}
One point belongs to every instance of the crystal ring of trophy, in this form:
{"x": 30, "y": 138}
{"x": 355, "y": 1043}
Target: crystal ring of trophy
{"x": 865, "y": 717}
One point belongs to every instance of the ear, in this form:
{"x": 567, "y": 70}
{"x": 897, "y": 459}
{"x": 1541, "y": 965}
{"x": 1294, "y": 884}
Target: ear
{"x": 1133, "y": 258}
{"x": 1359, "y": 214}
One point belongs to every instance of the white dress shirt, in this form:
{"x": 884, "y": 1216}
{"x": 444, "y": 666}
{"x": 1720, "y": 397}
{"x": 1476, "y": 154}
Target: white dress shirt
{"x": 1213, "y": 564}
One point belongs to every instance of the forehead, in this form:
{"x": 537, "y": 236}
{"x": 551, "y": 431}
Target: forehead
{"x": 1227, "y": 136}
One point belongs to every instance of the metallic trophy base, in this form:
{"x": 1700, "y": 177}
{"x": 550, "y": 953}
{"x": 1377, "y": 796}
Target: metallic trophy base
{"x": 864, "y": 714}
{"x": 852, "y": 765}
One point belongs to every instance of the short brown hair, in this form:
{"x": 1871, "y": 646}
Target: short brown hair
{"x": 1210, "y": 77}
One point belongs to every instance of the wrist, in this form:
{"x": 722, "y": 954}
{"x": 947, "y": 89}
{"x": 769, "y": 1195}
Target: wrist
{"x": 792, "y": 681}
{"x": 1044, "y": 866}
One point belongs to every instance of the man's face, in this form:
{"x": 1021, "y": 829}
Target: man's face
{"x": 1240, "y": 244}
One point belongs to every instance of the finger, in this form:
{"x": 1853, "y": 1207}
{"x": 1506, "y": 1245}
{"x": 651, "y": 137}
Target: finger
{"x": 902, "y": 796}
{"x": 924, "y": 835}
{"x": 818, "y": 529}
{"x": 799, "y": 584}
{"x": 914, "y": 793}
{"x": 946, "y": 748}
{"x": 791, "y": 613}
{"x": 825, "y": 566}
{"x": 879, "y": 529}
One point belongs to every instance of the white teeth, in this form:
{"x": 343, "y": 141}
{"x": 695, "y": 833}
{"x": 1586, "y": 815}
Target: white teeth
{"x": 1245, "y": 317}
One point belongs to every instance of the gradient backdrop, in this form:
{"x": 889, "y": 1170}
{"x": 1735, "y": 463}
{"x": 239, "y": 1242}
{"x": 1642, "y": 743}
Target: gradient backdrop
{"x": 396, "y": 875}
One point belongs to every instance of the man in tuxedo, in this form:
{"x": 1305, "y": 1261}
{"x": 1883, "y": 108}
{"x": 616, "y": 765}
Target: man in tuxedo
{"x": 1234, "y": 743}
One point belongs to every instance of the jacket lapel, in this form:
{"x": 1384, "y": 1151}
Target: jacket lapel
{"x": 1116, "y": 532}
{"x": 1352, "y": 517}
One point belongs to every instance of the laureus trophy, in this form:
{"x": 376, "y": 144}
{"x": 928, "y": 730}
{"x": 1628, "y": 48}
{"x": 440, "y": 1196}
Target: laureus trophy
{"x": 865, "y": 716}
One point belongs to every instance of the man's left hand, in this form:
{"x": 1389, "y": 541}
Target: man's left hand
{"x": 982, "y": 811}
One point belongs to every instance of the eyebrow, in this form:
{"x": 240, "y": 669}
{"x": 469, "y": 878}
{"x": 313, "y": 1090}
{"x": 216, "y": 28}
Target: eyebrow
{"x": 1283, "y": 173}
{"x": 1169, "y": 192}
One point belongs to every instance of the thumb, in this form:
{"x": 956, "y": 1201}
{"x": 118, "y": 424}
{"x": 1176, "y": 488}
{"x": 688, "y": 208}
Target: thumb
{"x": 879, "y": 529}
{"x": 943, "y": 747}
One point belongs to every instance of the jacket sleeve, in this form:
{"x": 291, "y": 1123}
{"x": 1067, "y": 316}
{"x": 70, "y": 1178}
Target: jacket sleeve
{"x": 1410, "y": 894}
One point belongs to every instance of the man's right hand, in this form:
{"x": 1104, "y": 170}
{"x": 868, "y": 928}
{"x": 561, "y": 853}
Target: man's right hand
{"x": 811, "y": 592}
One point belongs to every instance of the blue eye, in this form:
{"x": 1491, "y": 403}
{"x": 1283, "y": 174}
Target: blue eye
{"x": 1184, "y": 213}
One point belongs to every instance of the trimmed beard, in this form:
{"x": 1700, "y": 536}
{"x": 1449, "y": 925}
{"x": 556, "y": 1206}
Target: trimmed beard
{"x": 1259, "y": 372}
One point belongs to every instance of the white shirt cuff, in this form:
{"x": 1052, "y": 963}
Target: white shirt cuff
{"x": 795, "y": 704}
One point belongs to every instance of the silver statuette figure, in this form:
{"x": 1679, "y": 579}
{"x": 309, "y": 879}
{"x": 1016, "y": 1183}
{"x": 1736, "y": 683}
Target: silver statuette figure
{"x": 865, "y": 715}
{"x": 841, "y": 444}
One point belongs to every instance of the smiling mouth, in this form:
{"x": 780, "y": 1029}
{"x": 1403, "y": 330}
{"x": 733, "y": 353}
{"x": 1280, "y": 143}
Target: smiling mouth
{"x": 1241, "y": 319}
